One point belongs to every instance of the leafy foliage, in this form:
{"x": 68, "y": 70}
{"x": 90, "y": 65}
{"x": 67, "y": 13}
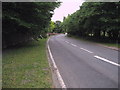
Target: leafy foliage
{"x": 51, "y": 27}
{"x": 95, "y": 19}
{"x": 55, "y": 27}
{"x": 29, "y": 19}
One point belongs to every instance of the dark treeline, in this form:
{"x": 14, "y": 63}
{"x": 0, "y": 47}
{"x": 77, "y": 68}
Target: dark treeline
{"x": 96, "y": 20}
{"x": 22, "y": 21}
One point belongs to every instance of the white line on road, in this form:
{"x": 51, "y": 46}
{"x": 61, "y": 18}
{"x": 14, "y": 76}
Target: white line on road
{"x": 55, "y": 66}
{"x": 86, "y": 50}
{"x": 67, "y": 42}
{"x": 79, "y": 47}
{"x": 74, "y": 45}
{"x": 103, "y": 59}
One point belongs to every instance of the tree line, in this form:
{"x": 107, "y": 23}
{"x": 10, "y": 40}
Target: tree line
{"x": 96, "y": 20}
{"x": 55, "y": 27}
{"x": 22, "y": 21}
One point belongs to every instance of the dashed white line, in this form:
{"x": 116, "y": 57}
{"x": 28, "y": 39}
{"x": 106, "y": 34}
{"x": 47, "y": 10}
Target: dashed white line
{"x": 106, "y": 60}
{"x": 86, "y": 50}
{"x": 55, "y": 66}
{"x": 67, "y": 42}
{"x": 74, "y": 45}
{"x": 79, "y": 47}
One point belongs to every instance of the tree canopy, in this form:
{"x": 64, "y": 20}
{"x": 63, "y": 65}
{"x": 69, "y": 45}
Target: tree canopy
{"x": 23, "y": 20}
{"x": 95, "y": 19}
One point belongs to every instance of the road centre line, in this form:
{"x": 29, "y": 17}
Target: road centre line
{"x": 56, "y": 69}
{"x": 86, "y": 50}
{"x": 79, "y": 47}
{"x": 74, "y": 45}
{"x": 106, "y": 60}
{"x": 98, "y": 57}
{"x": 67, "y": 42}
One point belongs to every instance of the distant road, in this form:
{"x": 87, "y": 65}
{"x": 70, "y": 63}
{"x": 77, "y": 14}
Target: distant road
{"x": 84, "y": 64}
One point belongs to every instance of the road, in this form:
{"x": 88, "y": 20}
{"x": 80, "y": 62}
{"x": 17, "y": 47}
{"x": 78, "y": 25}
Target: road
{"x": 84, "y": 64}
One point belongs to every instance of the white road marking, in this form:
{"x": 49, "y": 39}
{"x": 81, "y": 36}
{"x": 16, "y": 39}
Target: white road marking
{"x": 86, "y": 50}
{"x": 55, "y": 66}
{"x": 67, "y": 42}
{"x": 74, "y": 45}
{"x": 103, "y": 59}
{"x": 79, "y": 47}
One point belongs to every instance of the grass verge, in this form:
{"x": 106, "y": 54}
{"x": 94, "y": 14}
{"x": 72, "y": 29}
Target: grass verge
{"x": 26, "y": 66}
{"x": 103, "y": 43}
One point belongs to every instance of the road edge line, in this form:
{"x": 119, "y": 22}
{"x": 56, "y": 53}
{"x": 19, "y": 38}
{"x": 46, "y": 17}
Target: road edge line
{"x": 62, "y": 84}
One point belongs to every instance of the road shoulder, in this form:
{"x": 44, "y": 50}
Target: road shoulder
{"x": 114, "y": 48}
{"x": 56, "y": 77}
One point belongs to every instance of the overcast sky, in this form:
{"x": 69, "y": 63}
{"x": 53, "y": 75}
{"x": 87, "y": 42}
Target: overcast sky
{"x": 67, "y": 7}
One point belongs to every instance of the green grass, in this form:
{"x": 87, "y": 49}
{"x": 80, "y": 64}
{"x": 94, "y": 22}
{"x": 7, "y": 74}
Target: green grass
{"x": 99, "y": 42}
{"x": 111, "y": 45}
{"x": 26, "y": 66}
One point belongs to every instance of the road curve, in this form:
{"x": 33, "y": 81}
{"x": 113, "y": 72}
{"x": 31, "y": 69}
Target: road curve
{"x": 84, "y": 64}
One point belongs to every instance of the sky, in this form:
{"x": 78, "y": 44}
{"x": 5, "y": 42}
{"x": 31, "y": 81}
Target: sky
{"x": 66, "y": 7}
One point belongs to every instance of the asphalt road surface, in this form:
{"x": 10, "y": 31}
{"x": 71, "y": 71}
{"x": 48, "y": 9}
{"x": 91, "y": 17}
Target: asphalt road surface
{"x": 84, "y": 64}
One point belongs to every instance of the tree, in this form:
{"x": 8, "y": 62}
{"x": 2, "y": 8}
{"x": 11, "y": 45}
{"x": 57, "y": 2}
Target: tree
{"x": 51, "y": 27}
{"x": 95, "y": 19}
{"x": 25, "y": 20}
